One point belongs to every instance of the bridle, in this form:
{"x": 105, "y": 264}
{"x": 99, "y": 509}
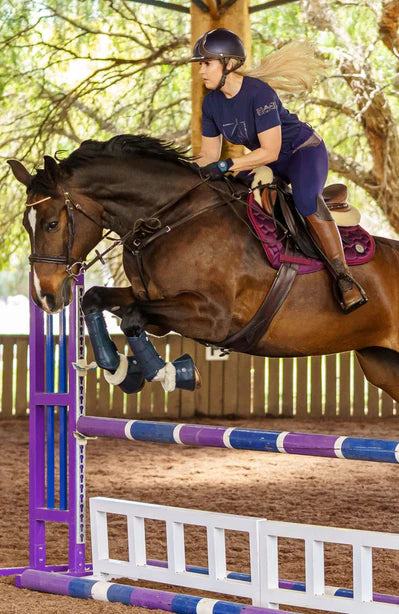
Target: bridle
{"x": 67, "y": 259}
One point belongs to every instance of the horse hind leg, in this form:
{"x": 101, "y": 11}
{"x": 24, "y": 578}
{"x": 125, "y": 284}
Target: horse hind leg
{"x": 381, "y": 368}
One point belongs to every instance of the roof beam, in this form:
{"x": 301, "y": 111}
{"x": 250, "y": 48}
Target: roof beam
{"x": 167, "y": 5}
{"x": 201, "y": 5}
{"x": 205, "y": 9}
{"x": 269, "y": 5}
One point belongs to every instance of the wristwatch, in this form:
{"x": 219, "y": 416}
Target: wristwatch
{"x": 224, "y": 165}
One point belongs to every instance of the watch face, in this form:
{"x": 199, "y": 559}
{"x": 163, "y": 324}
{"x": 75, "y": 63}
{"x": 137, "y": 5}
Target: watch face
{"x": 222, "y": 165}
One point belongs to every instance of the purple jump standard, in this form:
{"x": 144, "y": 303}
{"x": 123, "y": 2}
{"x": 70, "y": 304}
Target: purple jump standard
{"x": 86, "y": 588}
{"x": 308, "y": 444}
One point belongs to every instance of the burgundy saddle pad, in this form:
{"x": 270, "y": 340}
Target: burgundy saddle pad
{"x": 358, "y": 244}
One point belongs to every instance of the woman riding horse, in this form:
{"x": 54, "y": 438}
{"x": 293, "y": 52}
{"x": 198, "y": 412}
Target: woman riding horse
{"x": 209, "y": 280}
{"x": 247, "y": 111}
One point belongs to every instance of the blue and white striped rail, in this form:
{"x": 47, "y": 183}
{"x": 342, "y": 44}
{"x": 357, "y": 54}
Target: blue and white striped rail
{"x": 292, "y": 585}
{"x": 87, "y": 588}
{"x": 308, "y": 444}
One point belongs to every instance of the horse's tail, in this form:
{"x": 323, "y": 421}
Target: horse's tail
{"x": 294, "y": 68}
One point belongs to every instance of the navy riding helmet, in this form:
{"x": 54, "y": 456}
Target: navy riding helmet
{"x": 220, "y": 44}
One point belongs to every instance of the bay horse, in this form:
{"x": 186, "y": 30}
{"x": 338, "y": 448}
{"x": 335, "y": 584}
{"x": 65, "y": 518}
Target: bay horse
{"x": 203, "y": 273}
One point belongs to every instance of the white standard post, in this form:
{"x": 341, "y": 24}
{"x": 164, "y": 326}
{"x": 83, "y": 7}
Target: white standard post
{"x": 136, "y": 541}
{"x": 175, "y": 547}
{"x": 268, "y": 569}
{"x": 99, "y": 540}
{"x": 216, "y": 553}
{"x": 314, "y": 564}
{"x": 362, "y": 574}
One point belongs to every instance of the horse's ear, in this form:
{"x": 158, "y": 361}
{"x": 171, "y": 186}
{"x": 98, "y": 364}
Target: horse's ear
{"x": 20, "y": 172}
{"x": 51, "y": 168}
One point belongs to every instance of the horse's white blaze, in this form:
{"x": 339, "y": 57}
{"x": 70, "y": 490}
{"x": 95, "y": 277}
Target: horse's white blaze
{"x": 32, "y": 221}
{"x": 36, "y": 284}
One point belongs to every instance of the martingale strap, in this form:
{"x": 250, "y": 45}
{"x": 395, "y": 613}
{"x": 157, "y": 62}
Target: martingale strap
{"x": 147, "y": 230}
{"x": 247, "y": 338}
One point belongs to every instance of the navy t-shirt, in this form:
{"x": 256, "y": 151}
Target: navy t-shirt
{"x": 254, "y": 109}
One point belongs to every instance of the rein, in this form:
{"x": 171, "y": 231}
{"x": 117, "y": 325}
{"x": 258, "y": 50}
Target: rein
{"x": 145, "y": 231}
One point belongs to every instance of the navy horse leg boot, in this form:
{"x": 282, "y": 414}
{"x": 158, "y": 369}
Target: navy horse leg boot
{"x": 119, "y": 370}
{"x": 181, "y": 373}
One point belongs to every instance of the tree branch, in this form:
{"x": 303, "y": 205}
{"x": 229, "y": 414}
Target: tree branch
{"x": 388, "y": 25}
{"x": 353, "y": 171}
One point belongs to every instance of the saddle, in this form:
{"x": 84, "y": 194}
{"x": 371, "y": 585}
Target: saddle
{"x": 280, "y": 226}
{"x": 335, "y": 197}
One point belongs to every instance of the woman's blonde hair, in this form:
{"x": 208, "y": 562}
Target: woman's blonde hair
{"x": 294, "y": 68}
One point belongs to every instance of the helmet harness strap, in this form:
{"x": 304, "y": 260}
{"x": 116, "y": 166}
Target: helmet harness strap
{"x": 226, "y": 72}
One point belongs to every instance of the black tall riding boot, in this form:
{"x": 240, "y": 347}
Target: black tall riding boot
{"x": 325, "y": 233}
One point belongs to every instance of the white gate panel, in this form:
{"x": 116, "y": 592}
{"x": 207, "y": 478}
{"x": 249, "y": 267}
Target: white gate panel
{"x": 317, "y": 595}
{"x": 136, "y": 567}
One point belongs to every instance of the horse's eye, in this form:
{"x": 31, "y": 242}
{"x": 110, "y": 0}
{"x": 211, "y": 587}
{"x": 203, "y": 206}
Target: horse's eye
{"x": 51, "y": 226}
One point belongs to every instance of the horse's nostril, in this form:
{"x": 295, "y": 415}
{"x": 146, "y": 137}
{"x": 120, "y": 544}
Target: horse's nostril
{"x": 49, "y": 302}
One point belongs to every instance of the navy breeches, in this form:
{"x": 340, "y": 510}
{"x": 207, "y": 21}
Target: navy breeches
{"x": 306, "y": 171}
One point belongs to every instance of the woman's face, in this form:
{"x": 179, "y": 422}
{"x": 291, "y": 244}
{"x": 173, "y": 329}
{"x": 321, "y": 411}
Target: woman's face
{"x": 211, "y": 71}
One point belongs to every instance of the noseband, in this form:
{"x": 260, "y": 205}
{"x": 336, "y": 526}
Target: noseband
{"x": 67, "y": 259}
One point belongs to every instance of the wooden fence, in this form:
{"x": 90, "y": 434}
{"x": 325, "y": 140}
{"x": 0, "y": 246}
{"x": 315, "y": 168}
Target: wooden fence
{"x": 330, "y": 386}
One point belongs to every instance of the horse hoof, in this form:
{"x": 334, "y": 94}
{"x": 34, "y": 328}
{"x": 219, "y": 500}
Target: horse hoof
{"x": 187, "y": 374}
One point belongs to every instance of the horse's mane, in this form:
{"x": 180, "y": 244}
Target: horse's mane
{"x": 122, "y": 147}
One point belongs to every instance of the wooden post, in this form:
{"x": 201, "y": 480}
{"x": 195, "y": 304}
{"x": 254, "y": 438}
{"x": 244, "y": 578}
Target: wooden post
{"x": 235, "y": 18}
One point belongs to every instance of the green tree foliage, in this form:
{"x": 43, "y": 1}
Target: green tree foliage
{"x": 85, "y": 69}
{"x": 356, "y": 105}
{"x": 79, "y": 69}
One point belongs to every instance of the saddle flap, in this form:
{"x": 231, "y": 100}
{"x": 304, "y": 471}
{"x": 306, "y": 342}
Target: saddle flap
{"x": 359, "y": 245}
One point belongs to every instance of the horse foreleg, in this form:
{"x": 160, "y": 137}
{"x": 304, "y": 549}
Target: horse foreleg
{"x": 381, "y": 367}
{"x": 114, "y": 300}
{"x": 146, "y": 362}
{"x": 123, "y": 371}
